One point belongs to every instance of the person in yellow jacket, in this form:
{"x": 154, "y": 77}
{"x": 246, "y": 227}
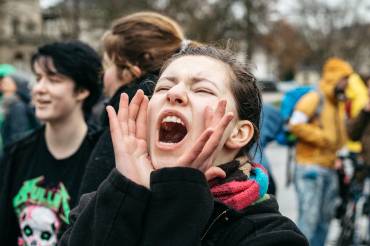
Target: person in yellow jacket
{"x": 318, "y": 121}
{"x": 356, "y": 99}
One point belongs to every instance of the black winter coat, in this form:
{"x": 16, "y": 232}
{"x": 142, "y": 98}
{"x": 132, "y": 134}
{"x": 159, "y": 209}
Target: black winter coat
{"x": 101, "y": 161}
{"x": 178, "y": 210}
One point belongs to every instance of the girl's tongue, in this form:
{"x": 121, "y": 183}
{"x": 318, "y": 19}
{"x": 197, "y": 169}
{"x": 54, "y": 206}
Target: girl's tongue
{"x": 172, "y": 132}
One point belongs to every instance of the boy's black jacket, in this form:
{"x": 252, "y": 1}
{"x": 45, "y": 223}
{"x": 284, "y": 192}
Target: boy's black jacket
{"x": 178, "y": 210}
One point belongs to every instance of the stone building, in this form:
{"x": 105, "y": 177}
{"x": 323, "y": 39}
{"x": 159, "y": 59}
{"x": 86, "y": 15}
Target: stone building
{"x": 21, "y": 31}
{"x": 24, "y": 25}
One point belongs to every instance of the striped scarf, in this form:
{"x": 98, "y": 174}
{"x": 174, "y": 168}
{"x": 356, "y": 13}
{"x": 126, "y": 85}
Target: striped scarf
{"x": 245, "y": 183}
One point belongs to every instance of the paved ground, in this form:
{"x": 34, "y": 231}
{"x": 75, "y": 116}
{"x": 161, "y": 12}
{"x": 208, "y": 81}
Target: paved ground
{"x": 286, "y": 195}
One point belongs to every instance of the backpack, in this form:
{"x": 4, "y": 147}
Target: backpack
{"x": 288, "y": 103}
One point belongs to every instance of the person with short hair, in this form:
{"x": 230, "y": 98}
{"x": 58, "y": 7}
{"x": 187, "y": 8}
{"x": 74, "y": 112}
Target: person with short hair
{"x": 182, "y": 172}
{"x": 41, "y": 173}
{"x": 19, "y": 117}
{"x": 5, "y": 71}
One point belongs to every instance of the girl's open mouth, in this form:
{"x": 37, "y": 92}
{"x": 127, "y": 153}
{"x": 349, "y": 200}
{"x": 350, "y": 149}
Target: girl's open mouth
{"x": 172, "y": 130}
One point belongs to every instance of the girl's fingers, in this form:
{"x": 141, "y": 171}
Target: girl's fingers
{"x": 141, "y": 121}
{"x": 214, "y": 172}
{"x": 123, "y": 113}
{"x": 220, "y": 110}
{"x": 215, "y": 139}
{"x": 208, "y": 113}
{"x": 114, "y": 126}
{"x": 190, "y": 156}
{"x": 133, "y": 110}
{"x": 213, "y": 117}
{"x": 206, "y": 145}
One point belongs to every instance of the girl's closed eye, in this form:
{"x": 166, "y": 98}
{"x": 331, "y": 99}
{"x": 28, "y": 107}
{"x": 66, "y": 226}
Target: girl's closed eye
{"x": 162, "y": 88}
{"x": 205, "y": 88}
{"x": 206, "y": 91}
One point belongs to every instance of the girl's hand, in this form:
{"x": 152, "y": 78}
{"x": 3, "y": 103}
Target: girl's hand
{"x": 201, "y": 155}
{"x": 128, "y": 132}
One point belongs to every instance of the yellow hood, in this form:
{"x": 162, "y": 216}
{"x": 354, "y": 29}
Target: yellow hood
{"x": 357, "y": 93}
{"x": 333, "y": 70}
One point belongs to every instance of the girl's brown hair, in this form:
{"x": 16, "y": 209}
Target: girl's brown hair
{"x": 243, "y": 86}
{"x": 143, "y": 39}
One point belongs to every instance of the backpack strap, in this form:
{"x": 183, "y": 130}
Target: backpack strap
{"x": 320, "y": 106}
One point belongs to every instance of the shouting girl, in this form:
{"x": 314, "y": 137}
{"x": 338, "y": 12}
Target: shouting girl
{"x": 186, "y": 178}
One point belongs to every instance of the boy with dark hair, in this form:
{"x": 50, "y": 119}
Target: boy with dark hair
{"x": 41, "y": 174}
{"x": 77, "y": 61}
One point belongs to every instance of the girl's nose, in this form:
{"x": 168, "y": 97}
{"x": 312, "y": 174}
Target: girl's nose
{"x": 177, "y": 95}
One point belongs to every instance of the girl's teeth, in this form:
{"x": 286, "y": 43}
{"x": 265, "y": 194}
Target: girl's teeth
{"x": 173, "y": 119}
{"x": 167, "y": 143}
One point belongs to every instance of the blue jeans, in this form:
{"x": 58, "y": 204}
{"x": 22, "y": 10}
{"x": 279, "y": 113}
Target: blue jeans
{"x": 317, "y": 192}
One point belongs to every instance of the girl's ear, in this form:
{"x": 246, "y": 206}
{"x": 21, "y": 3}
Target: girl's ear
{"x": 241, "y": 135}
{"x": 82, "y": 94}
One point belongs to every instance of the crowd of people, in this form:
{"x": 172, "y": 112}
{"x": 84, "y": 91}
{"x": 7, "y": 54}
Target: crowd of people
{"x": 156, "y": 142}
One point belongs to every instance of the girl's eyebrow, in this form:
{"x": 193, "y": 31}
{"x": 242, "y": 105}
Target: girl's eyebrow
{"x": 172, "y": 79}
{"x": 199, "y": 79}
{"x": 194, "y": 80}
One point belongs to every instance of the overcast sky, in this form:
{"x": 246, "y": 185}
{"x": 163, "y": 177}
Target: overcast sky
{"x": 284, "y": 6}
{"x": 47, "y": 3}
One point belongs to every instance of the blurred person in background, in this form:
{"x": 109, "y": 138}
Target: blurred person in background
{"x": 5, "y": 70}
{"x": 356, "y": 97}
{"x": 135, "y": 49}
{"x": 359, "y": 128}
{"x": 41, "y": 173}
{"x": 320, "y": 135}
{"x": 19, "y": 117}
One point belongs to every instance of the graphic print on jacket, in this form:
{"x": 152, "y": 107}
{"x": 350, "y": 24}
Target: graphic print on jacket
{"x": 41, "y": 212}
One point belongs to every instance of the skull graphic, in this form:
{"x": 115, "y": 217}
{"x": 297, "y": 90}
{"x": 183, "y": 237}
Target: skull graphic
{"x": 39, "y": 226}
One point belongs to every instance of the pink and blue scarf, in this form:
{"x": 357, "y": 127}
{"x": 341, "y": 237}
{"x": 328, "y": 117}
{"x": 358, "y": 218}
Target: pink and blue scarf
{"x": 244, "y": 184}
